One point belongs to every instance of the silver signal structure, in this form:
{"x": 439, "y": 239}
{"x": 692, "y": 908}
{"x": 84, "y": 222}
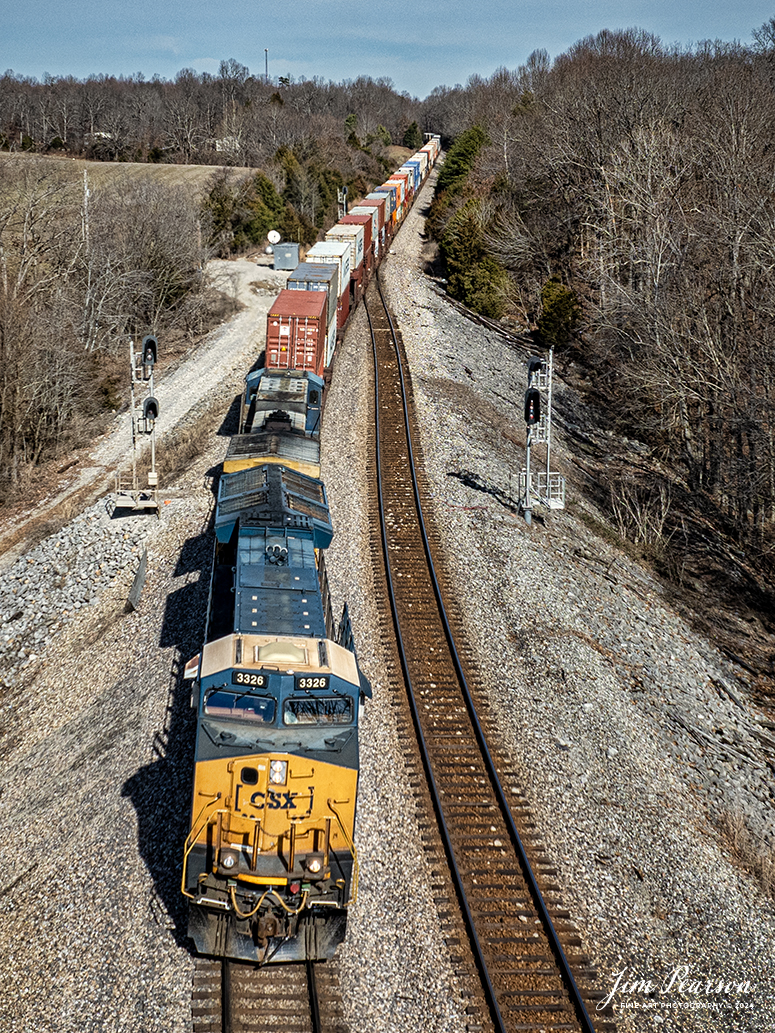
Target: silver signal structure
{"x": 144, "y": 417}
{"x": 544, "y": 487}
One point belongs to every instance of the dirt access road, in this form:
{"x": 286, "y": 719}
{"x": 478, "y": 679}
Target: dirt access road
{"x": 231, "y": 346}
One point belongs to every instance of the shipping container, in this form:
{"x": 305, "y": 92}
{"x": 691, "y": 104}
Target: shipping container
{"x": 296, "y": 331}
{"x": 377, "y": 232}
{"x": 336, "y": 252}
{"x": 415, "y": 167}
{"x": 331, "y": 340}
{"x": 372, "y": 210}
{"x": 402, "y": 183}
{"x": 394, "y": 192}
{"x": 401, "y": 201}
{"x": 379, "y": 204}
{"x": 364, "y": 219}
{"x": 386, "y": 195}
{"x": 320, "y": 276}
{"x": 356, "y": 235}
{"x": 423, "y": 158}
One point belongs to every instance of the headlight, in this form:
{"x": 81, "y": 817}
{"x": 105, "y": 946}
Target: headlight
{"x": 278, "y": 772}
{"x": 228, "y": 860}
{"x": 314, "y": 864}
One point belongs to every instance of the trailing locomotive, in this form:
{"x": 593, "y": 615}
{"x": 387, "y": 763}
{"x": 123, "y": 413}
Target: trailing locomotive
{"x": 269, "y": 864}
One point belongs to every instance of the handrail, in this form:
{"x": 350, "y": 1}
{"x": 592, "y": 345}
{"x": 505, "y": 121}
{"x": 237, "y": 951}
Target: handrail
{"x": 189, "y": 844}
{"x": 353, "y": 852}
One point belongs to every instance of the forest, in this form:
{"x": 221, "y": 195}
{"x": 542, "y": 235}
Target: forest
{"x": 617, "y": 202}
{"x": 85, "y": 265}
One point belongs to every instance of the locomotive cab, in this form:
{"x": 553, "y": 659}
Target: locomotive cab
{"x": 270, "y": 865}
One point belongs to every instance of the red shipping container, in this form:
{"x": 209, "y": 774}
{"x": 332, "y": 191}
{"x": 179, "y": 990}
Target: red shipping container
{"x": 368, "y": 245}
{"x": 343, "y": 308}
{"x": 296, "y": 331}
{"x": 372, "y": 202}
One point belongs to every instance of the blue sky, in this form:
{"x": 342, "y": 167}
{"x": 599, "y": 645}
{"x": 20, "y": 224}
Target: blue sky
{"x": 418, "y": 44}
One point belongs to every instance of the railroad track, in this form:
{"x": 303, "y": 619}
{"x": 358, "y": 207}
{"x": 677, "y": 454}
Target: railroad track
{"x": 235, "y": 998}
{"x": 524, "y": 951}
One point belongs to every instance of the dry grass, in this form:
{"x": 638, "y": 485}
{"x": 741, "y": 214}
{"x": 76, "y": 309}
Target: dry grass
{"x": 752, "y": 853}
{"x": 108, "y": 173}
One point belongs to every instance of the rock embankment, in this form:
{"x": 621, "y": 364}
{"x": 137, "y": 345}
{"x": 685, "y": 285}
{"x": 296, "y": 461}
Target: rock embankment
{"x": 641, "y": 748}
{"x": 52, "y": 583}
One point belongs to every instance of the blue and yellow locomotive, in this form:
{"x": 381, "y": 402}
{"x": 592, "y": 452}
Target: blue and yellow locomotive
{"x": 270, "y": 864}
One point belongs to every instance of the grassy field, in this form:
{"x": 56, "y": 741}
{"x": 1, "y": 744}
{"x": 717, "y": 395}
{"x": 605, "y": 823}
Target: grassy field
{"x": 105, "y": 173}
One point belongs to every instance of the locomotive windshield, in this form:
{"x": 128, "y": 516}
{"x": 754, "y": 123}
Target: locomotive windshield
{"x": 241, "y": 705}
{"x": 335, "y": 711}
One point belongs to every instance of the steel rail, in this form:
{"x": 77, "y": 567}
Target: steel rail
{"x": 227, "y": 1000}
{"x": 573, "y": 990}
{"x": 314, "y": 1004}
{"x": 233, "y": 1016}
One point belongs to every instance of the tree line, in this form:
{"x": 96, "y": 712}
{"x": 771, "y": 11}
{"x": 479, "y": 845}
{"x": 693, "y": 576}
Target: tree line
{"x": 82, "y": 270}
{"x": 232, "y": 118}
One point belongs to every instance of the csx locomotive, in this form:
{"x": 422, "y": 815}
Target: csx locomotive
{"x": 269, "y": 864}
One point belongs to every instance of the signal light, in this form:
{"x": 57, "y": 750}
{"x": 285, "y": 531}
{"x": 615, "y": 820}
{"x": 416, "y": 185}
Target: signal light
{"x": 150, "y": 350}
{"x": 150, "y": 409}
{"x": 534, "y": 367}
{"x": 532, "y": 406}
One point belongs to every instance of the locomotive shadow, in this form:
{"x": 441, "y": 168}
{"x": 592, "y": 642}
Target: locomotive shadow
{"x": 161, "y": 791}
{"x": 230, "y": 425}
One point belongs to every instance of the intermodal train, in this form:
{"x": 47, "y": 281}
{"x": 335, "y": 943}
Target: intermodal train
{"x": 269, "y": 864}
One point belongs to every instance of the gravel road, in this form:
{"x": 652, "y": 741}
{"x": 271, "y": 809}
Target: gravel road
{"x": 224, "y": 354}
{"x": 638, "y": 746}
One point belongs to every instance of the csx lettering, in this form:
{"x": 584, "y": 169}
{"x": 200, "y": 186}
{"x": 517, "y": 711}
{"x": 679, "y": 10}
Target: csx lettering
{"x": 276, "y": 801}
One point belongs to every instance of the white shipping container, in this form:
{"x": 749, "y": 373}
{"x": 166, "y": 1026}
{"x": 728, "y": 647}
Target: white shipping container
{"x": 331, "y": 340}
{"x": 422, "y": 157}
{"x": 353, "y": 233}
{"x": 374, "y": 213}
{"x": 338, "y": 252}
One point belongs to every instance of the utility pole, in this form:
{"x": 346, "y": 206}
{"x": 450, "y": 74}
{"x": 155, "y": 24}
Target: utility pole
{"x": 266, "y": 65}
{"x": 532, "y": 417}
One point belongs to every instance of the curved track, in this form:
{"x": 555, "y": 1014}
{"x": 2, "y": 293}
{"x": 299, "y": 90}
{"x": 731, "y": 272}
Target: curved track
{"x": 518, "y": 939}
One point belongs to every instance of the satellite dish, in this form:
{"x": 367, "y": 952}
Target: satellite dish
{"x": 273, "y": 237}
